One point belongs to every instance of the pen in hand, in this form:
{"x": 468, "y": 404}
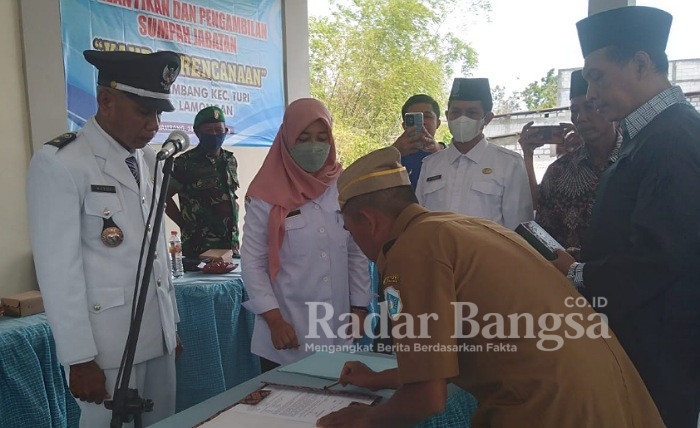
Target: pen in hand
{"x": 331, "y": 385}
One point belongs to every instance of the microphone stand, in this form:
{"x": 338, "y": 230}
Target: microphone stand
{"x": 126, "y": 404}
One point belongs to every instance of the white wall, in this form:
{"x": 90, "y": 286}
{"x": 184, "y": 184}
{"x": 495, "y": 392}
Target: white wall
{"x": 296, "y": 49}
{"x": 16, "y": 266}
{"x": 43, "y": 57}
{"x": 249, "y": 161}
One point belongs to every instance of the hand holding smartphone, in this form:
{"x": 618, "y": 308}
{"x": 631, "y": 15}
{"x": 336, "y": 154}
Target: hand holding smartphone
{"x": 546, "y": 134}
{"x": 414, "y": 119}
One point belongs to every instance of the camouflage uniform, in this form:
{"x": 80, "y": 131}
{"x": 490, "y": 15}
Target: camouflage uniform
{"x": 206, "y": 186}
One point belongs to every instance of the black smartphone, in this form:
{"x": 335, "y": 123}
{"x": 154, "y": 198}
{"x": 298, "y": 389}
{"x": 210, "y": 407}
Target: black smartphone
{"x": 553, "y": 134}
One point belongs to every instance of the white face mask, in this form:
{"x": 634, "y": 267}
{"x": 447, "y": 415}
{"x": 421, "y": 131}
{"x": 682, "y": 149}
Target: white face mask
{"x": 464, "y": 129}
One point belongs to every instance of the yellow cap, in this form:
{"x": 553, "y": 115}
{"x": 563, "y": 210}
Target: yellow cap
{"x": 378, "y": 170}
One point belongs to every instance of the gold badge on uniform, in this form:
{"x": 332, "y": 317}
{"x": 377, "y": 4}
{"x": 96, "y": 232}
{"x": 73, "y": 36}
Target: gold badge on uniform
{"x": 390, "y": 279}
{"x": 112, "y": 235}
{"x": 486, "y": 171}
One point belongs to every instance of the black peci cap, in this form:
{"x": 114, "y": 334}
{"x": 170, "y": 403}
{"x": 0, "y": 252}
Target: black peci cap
{"x": 638, "y": 27}
{"x": 472, "y": 89}
{"x": 145, "y": 77}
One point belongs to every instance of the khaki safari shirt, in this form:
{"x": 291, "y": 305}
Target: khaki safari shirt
{"x": 437, "y": 258}
{"x": 206, "y": 185}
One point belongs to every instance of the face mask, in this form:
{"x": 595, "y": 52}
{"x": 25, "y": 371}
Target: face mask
{"x": 211, "y": 141}
{"x": 310, "y": 156}
{"x": 464, "y": 129}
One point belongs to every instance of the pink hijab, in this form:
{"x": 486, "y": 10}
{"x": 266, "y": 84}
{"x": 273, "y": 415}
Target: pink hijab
{"x": 282, "y": 183}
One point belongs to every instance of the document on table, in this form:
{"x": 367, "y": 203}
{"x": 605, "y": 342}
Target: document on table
{"x": 286, "y": 407}
{"x": 329, "y": 365}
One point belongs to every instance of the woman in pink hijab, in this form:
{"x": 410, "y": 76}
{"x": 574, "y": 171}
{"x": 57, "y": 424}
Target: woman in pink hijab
{"x": 299, "y": 264}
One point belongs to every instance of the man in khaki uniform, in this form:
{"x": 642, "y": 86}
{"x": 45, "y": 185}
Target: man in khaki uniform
{"x": 555, "y": 365}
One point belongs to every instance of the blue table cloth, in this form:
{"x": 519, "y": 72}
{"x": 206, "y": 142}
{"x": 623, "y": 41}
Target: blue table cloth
{"x": 215, "y": 331}
{"x": 214, "y": 328}
{"x": 33, "y": 392}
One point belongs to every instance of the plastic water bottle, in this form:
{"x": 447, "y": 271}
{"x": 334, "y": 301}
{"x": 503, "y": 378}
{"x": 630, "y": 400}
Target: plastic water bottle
{"x": 176, "y": 255}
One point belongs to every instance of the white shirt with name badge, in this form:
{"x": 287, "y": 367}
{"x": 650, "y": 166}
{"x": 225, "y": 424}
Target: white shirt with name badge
{"x": 320, "y": 266}
{"x": 489, "y": 181}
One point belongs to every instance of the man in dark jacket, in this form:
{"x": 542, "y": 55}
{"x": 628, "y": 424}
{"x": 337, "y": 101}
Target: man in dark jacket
{"x": 643, "y": 246}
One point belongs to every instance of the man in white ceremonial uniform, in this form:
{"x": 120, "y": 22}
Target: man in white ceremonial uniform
{"x": 473, "y": 176}
{"x": 89, "y": 195}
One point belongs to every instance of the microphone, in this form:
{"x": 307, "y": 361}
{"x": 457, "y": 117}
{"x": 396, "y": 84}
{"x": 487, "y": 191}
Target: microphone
{"x": 177, "y": 142}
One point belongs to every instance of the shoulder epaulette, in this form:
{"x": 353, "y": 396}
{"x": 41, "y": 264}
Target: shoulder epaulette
{"x": 63, "y": 139}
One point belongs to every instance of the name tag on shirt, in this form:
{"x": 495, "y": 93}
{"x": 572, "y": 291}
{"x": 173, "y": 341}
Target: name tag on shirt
{"x": 103, "y": 188}
{"x": 433, "y": 178}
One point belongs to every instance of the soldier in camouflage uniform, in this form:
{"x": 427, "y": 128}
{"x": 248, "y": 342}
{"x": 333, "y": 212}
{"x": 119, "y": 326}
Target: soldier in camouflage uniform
{"x": 205, "y": 180}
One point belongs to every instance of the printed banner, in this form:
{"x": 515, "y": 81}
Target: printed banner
{"x": 231, "y": 52}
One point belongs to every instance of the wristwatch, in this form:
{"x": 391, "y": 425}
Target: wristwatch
{"x": 575, "y": 274}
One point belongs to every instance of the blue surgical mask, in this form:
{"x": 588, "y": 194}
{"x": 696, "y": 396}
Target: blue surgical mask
{"x": 310, "y": 156}
{"x": 211, "y": 142}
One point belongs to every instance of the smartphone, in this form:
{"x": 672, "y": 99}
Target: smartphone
{"x": 552, "y": 134}
{"x": 542, "y": 241}
{"x": 414, "y": 119}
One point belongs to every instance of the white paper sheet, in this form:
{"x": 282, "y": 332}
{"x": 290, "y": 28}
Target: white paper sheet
{"x": 284, "y": 408}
